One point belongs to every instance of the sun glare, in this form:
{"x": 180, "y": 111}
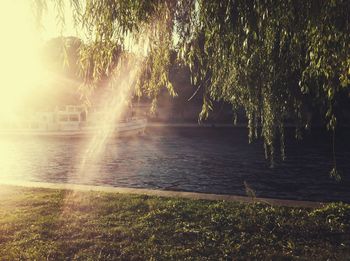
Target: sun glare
{"x": 21, "y": 70}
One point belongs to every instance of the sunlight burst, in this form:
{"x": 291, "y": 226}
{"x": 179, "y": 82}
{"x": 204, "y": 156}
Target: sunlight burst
{"x": 20, "y": 64}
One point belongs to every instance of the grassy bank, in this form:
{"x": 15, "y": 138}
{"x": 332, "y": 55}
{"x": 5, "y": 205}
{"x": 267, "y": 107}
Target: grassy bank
{"x": 49, "y": 224}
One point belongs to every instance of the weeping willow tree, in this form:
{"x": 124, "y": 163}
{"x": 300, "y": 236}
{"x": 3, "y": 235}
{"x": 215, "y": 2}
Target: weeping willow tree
{"x": 270, "y": 57}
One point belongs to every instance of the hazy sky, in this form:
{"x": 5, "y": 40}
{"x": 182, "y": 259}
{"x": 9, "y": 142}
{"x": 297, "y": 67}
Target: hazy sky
{"x": 51, "y": 28}
{"x": 21, "y": 40}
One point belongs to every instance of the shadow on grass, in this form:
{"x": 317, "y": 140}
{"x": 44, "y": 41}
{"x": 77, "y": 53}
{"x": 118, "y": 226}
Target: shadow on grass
{"x": 46, "y": 224}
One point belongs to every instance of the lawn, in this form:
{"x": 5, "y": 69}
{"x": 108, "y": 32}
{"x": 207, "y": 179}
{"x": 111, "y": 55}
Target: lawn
{"x": 48, "y": 224}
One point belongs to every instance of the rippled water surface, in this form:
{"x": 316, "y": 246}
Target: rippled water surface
{"x": 188, "y": 159}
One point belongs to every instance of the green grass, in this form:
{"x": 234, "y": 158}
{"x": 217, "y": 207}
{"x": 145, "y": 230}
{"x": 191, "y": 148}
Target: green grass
{"x": 44, "y": 224}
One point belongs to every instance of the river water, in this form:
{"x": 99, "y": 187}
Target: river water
{"x": 211, "y": 160}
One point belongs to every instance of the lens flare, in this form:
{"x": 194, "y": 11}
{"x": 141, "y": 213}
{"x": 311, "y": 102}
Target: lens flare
{"x": 114, "y": 105}
{"x": 24, "y": 78}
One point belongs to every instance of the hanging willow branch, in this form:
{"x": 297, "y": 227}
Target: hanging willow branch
{"x": 271, "y": 58}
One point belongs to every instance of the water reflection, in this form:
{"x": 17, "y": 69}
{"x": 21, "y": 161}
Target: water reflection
{"x": 202, "y": 160}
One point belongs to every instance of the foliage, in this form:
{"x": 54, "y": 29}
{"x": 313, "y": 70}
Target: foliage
{"x": 43, "y": 224}
{"x": 274, "y": 59}
{"x": 271, "y": 58}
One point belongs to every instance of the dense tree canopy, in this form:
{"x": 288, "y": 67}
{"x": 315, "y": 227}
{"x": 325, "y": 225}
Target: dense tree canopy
{"x": 273, "y": 58}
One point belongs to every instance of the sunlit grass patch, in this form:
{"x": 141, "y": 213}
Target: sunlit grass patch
{"x": 56, "y": 224}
